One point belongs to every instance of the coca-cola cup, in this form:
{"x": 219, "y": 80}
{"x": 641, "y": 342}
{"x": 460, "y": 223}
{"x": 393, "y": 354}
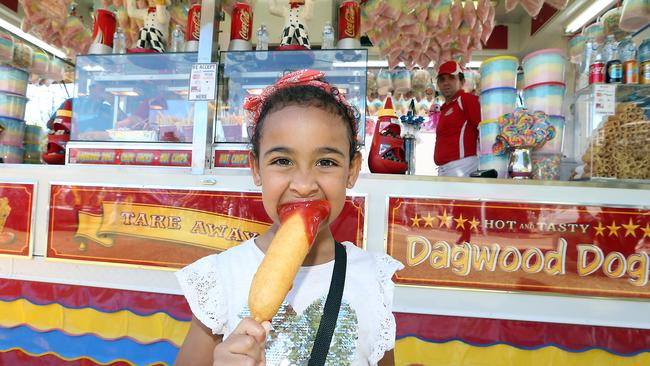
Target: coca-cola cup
{"x": 241, "y": 28}
{"x": 349, "y": 25}
{"x": 103, "y": 31}
{"x": 193, "y": 28}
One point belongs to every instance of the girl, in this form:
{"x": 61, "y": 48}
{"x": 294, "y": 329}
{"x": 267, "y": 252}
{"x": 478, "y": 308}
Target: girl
{"x": 303, "y": 148}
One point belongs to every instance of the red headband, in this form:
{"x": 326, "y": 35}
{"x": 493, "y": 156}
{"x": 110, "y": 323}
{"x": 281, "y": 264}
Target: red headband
{"x": 253, "y": 104}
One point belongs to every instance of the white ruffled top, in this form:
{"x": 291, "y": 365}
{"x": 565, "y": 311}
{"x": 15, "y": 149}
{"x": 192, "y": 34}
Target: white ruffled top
{"x": 216, "y": 288}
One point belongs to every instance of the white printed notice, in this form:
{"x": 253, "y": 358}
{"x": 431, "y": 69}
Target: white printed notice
{"x": 605, "y": 99}
{"x": 203, "y": 82}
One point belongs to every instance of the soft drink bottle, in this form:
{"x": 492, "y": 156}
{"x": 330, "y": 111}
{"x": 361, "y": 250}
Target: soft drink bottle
{"x": 597, "y": 67}
{"x": 627, "y": 53}
{"x": 644, "y": 61}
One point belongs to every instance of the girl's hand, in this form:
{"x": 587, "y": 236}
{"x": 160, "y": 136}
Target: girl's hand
{"x": 245, "y": 346}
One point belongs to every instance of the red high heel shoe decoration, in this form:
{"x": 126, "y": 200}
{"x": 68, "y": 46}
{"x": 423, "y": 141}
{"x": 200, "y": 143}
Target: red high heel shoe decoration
{"x": 387, "y": 148}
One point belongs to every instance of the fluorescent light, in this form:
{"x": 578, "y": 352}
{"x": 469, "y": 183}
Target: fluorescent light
{"x": 33, "y": 40}
{"x": 473, "y": 64}
{"x": 590, "y": 13}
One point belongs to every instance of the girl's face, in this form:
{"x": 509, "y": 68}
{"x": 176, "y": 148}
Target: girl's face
{"x": 304, "y": 155}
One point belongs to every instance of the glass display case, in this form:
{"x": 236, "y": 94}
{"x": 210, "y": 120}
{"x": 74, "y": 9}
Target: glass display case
{"x": 612, "y": 136}
{"x": 133, "y": 98}
{"x": 247, "y": 73}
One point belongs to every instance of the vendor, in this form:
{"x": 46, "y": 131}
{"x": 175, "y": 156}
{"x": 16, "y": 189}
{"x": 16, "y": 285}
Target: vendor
{"x": 457, "y": 130}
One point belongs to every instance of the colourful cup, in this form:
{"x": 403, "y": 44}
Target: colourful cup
{"x": 401, "y": 81}
{"x": 33, "y": 134}
{"x": 6, "y": 46}
{"x": 13, "y": 80}
{"x": 544, "y": 66}
{"x": 12, "y": 106}
{"x": 32, "y": 154}
{"x": 498, "y": 101}
{"x": 500, "y": 71}
{"x": 595, "y": 31}
{"x": 11, "y": 154}
{"x": 496, "y": 162}
{"x": 40, "y": 63}
{"x": 13, "y": 132}
{"x": 576, "y": 46}
{"x": 554, "y": 146}
{"x": 546, "y": 166}
{"x": 545, "y": 97}
{"x": 635, "y": 15}
{"x": 488, "y": 131}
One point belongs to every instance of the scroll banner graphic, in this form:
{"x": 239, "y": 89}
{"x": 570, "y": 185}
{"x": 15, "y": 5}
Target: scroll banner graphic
{"x": 580, "y": 250}
{"x": 165, "y": 227}
{"x": 16, "y": 202}
{"x": 178, "y": 225}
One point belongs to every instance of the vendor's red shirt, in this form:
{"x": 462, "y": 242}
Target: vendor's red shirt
{"x": 457, "y": 127}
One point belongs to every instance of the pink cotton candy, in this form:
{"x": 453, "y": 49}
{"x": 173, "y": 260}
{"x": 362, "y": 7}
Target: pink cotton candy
{"x": 532, "y": 7}
{"x": 456, "y": 14}
{"x": 511, "y": 5}
{"x": 477, "y": 31}
{"x": 483, "y": 9}
{"x": 558, "y": 4}
{"x": 469, "y": 14}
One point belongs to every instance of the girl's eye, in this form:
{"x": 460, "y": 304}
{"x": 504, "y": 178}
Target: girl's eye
{"x": 281, "y": 161}
{"x": 326, "y": 162}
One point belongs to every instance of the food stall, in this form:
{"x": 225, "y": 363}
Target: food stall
{"x": 497, "y": 271}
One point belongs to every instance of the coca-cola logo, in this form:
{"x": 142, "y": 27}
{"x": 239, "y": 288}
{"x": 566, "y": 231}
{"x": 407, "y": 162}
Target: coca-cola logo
{"x": 598, "y": 68}
{"x": 245, "y": 19}
{"x": 350, "y": 17}
{"x": 196, "y": 25}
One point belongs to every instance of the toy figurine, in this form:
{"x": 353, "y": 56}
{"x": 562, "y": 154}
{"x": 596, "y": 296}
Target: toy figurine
{"x": 296, "y": 12}
{"x": 155, "y": 31}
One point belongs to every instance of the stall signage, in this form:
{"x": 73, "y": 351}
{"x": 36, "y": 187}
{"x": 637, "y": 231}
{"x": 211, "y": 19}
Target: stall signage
{"x": 164, "y": 227}
{"x": 605, "y": 99}
{"x": 16, "y": 200}
{"x": 203, "y": 82}
{"x": 130, "y": 157}
{"x": 582, "y": 250}
{"x": 231, "y": 158}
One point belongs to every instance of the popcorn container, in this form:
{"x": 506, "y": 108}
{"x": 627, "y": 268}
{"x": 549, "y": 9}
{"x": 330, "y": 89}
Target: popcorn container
{"x": 498, "y": 101}
{"x": 103, "y": 31}
{"x": 544, "y": 66}
{"x": 545, "y": 97}
{"x": 497, "y": 72}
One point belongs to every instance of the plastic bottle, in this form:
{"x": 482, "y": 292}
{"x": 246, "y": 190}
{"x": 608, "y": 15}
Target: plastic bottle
{"x": 328, "y": 36}
{"x": 644, "y": 62}
{"x": 627, "y": 53}
{"x": 262, "y": 39}
{"x": 613, "y": 66}
{"x": 119, "y": 41}
{"x": 597, "y": 67}
{"x": 178, "y": 40}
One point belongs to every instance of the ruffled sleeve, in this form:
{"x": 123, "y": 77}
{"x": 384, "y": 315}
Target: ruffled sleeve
{"x": 204, "y": 291}
{"x": 385, "y": 335}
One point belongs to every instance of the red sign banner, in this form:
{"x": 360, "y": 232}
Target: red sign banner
{"x": 130, "y": 157}
{"x": 582, "y": 250}
{"x": 16, "y": 200}
{"x": 231, "y": 158}
{"x": 164, "y": 227}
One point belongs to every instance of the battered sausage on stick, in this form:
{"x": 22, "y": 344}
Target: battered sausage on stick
{"x": 299, "y": 223}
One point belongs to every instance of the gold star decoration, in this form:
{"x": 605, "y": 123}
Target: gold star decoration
{"x": 473, "y": 223}
{"x": 600, "y": 229}
{"x": 646, "y": 230}
{"x": 460, "y": 222}
{"x": 630, "y": 228}
{"x": 613, "y": 229}
{"x": 415, "y": 220}
{"x": 444, "y": 219}
{"x": 428, "y": 220}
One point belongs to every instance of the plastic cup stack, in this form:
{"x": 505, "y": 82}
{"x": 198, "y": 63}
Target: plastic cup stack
{"x": 13, "y": 86}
